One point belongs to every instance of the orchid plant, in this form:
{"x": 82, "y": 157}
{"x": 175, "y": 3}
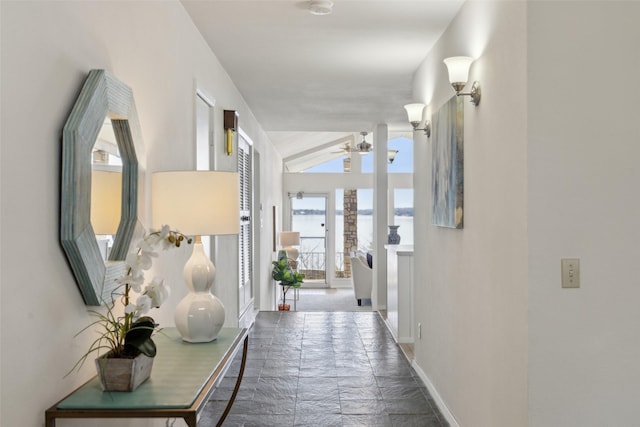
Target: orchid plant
{"x": 129, "y": 334}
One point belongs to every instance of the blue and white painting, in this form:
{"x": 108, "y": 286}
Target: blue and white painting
{"x": 447, "y": 164}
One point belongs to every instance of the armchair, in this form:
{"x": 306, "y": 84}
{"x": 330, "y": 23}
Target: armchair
{"x": 362, "y": 278}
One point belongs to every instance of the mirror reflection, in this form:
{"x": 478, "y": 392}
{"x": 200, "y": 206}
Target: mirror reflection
{"x": 106, "y": 189}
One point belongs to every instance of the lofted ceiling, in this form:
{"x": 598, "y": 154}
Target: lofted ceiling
{"x": 313, "y": 80}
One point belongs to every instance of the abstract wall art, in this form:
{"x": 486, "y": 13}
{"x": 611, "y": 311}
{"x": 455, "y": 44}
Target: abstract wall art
{"x": 447, "y": 164}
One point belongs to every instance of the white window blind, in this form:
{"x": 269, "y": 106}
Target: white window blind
{"x": 245, "y": 237}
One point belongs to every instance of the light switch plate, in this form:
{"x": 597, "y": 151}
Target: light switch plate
{"x": 570, "y": 273}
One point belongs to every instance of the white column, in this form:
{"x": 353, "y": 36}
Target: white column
{"x": 380, "y": 188}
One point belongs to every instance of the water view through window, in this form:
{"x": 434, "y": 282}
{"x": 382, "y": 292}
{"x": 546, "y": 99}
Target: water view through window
{"x": 308, "y": 217}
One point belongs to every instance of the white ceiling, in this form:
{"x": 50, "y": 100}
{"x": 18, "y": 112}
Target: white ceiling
{"x": 311, "y": 80}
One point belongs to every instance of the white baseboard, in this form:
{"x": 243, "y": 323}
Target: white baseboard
{"x": 341, "y": 284}
{"x": 446, "y": 413}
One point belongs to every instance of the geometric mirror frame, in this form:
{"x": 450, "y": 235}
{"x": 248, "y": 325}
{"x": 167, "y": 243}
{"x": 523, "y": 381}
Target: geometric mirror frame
{"x": 102, "y": 97}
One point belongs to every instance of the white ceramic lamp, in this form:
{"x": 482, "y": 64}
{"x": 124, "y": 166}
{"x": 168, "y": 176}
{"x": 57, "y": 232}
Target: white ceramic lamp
{"x": 289, "y": 240}
{"x": 198, "y": 203}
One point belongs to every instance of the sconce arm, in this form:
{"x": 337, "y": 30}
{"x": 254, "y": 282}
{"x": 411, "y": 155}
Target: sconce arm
{"x": 474, "y": 94}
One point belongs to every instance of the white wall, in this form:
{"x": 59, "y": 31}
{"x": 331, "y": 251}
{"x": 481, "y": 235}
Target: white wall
{"x": 583, "y": 172}
{"x": 47, "y": 49}
{"x": 550, "y": 160}
{"x": 471, "y": 284}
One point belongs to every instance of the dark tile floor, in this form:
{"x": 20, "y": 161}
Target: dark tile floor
{"x": 323, "y": 369}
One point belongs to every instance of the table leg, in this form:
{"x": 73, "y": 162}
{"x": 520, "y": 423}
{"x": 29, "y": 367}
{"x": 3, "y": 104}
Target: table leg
{"x": 191, "y": 420}
{"x": 237, "y": 387}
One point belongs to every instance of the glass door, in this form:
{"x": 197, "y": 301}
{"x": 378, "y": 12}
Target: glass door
{"x": 309, "y": 217}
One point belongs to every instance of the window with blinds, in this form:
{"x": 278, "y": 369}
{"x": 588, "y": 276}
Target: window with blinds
{"x": 245, "y": 236}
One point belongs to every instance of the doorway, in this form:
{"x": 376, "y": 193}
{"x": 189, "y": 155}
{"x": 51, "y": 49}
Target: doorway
{"x": 308, "y": 215}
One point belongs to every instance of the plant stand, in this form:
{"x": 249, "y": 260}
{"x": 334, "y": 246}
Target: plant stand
{"x": 282, "y": 306}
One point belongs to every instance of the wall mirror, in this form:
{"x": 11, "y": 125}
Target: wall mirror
{"x": 102, "y": 152}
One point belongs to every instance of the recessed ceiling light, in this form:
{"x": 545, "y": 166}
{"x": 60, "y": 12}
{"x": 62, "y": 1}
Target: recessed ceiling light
{"x": 320, "y": 7}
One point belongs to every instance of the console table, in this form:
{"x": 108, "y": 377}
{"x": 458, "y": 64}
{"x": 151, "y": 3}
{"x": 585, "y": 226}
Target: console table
{"x": 184, "y": 375}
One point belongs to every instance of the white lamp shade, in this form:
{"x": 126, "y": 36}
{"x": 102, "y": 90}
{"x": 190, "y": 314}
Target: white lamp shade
{"x": 106, "y": 201}
{"x": 458, "y": 67}
{"x": 289, "y": 238}
{"x": 196, "y": 202}
{"x": 414, "y": 112}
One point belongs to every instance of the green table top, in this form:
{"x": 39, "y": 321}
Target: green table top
{"x": 180, "y": 371}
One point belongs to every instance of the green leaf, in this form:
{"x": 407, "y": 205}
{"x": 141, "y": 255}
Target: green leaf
{"x": 139, "y": 336}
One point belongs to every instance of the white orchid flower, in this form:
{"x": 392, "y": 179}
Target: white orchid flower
{"x": 146, "y": 244}
{"x": 141, "y": 261}
{"x": 134, "y": 279}
{"x": 146, "y": 247}
{"x": 163, "y": 238}
{"x": 142, "y": 306}
{"x": 163, "y": 235}
{"x": 157, "y": 291}
{"x": 164, "y": 232}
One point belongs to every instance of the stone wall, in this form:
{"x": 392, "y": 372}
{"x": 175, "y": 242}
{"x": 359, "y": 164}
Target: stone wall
{"x": 350, "y": 216}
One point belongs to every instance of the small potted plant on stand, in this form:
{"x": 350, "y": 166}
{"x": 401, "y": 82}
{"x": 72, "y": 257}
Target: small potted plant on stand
{"x": 286, "y": 276}
{"x": 126, "y": 337}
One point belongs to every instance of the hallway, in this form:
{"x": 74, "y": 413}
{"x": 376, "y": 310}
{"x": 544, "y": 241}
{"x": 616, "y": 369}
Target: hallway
{"x": 323, "y": 369}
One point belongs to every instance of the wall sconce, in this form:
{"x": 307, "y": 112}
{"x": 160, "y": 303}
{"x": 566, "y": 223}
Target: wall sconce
{"x": 414, "y": 112}
{"x": 391, "y": 155}
{"x": 230, "y": 125}
{"x": 458, "y": 67}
